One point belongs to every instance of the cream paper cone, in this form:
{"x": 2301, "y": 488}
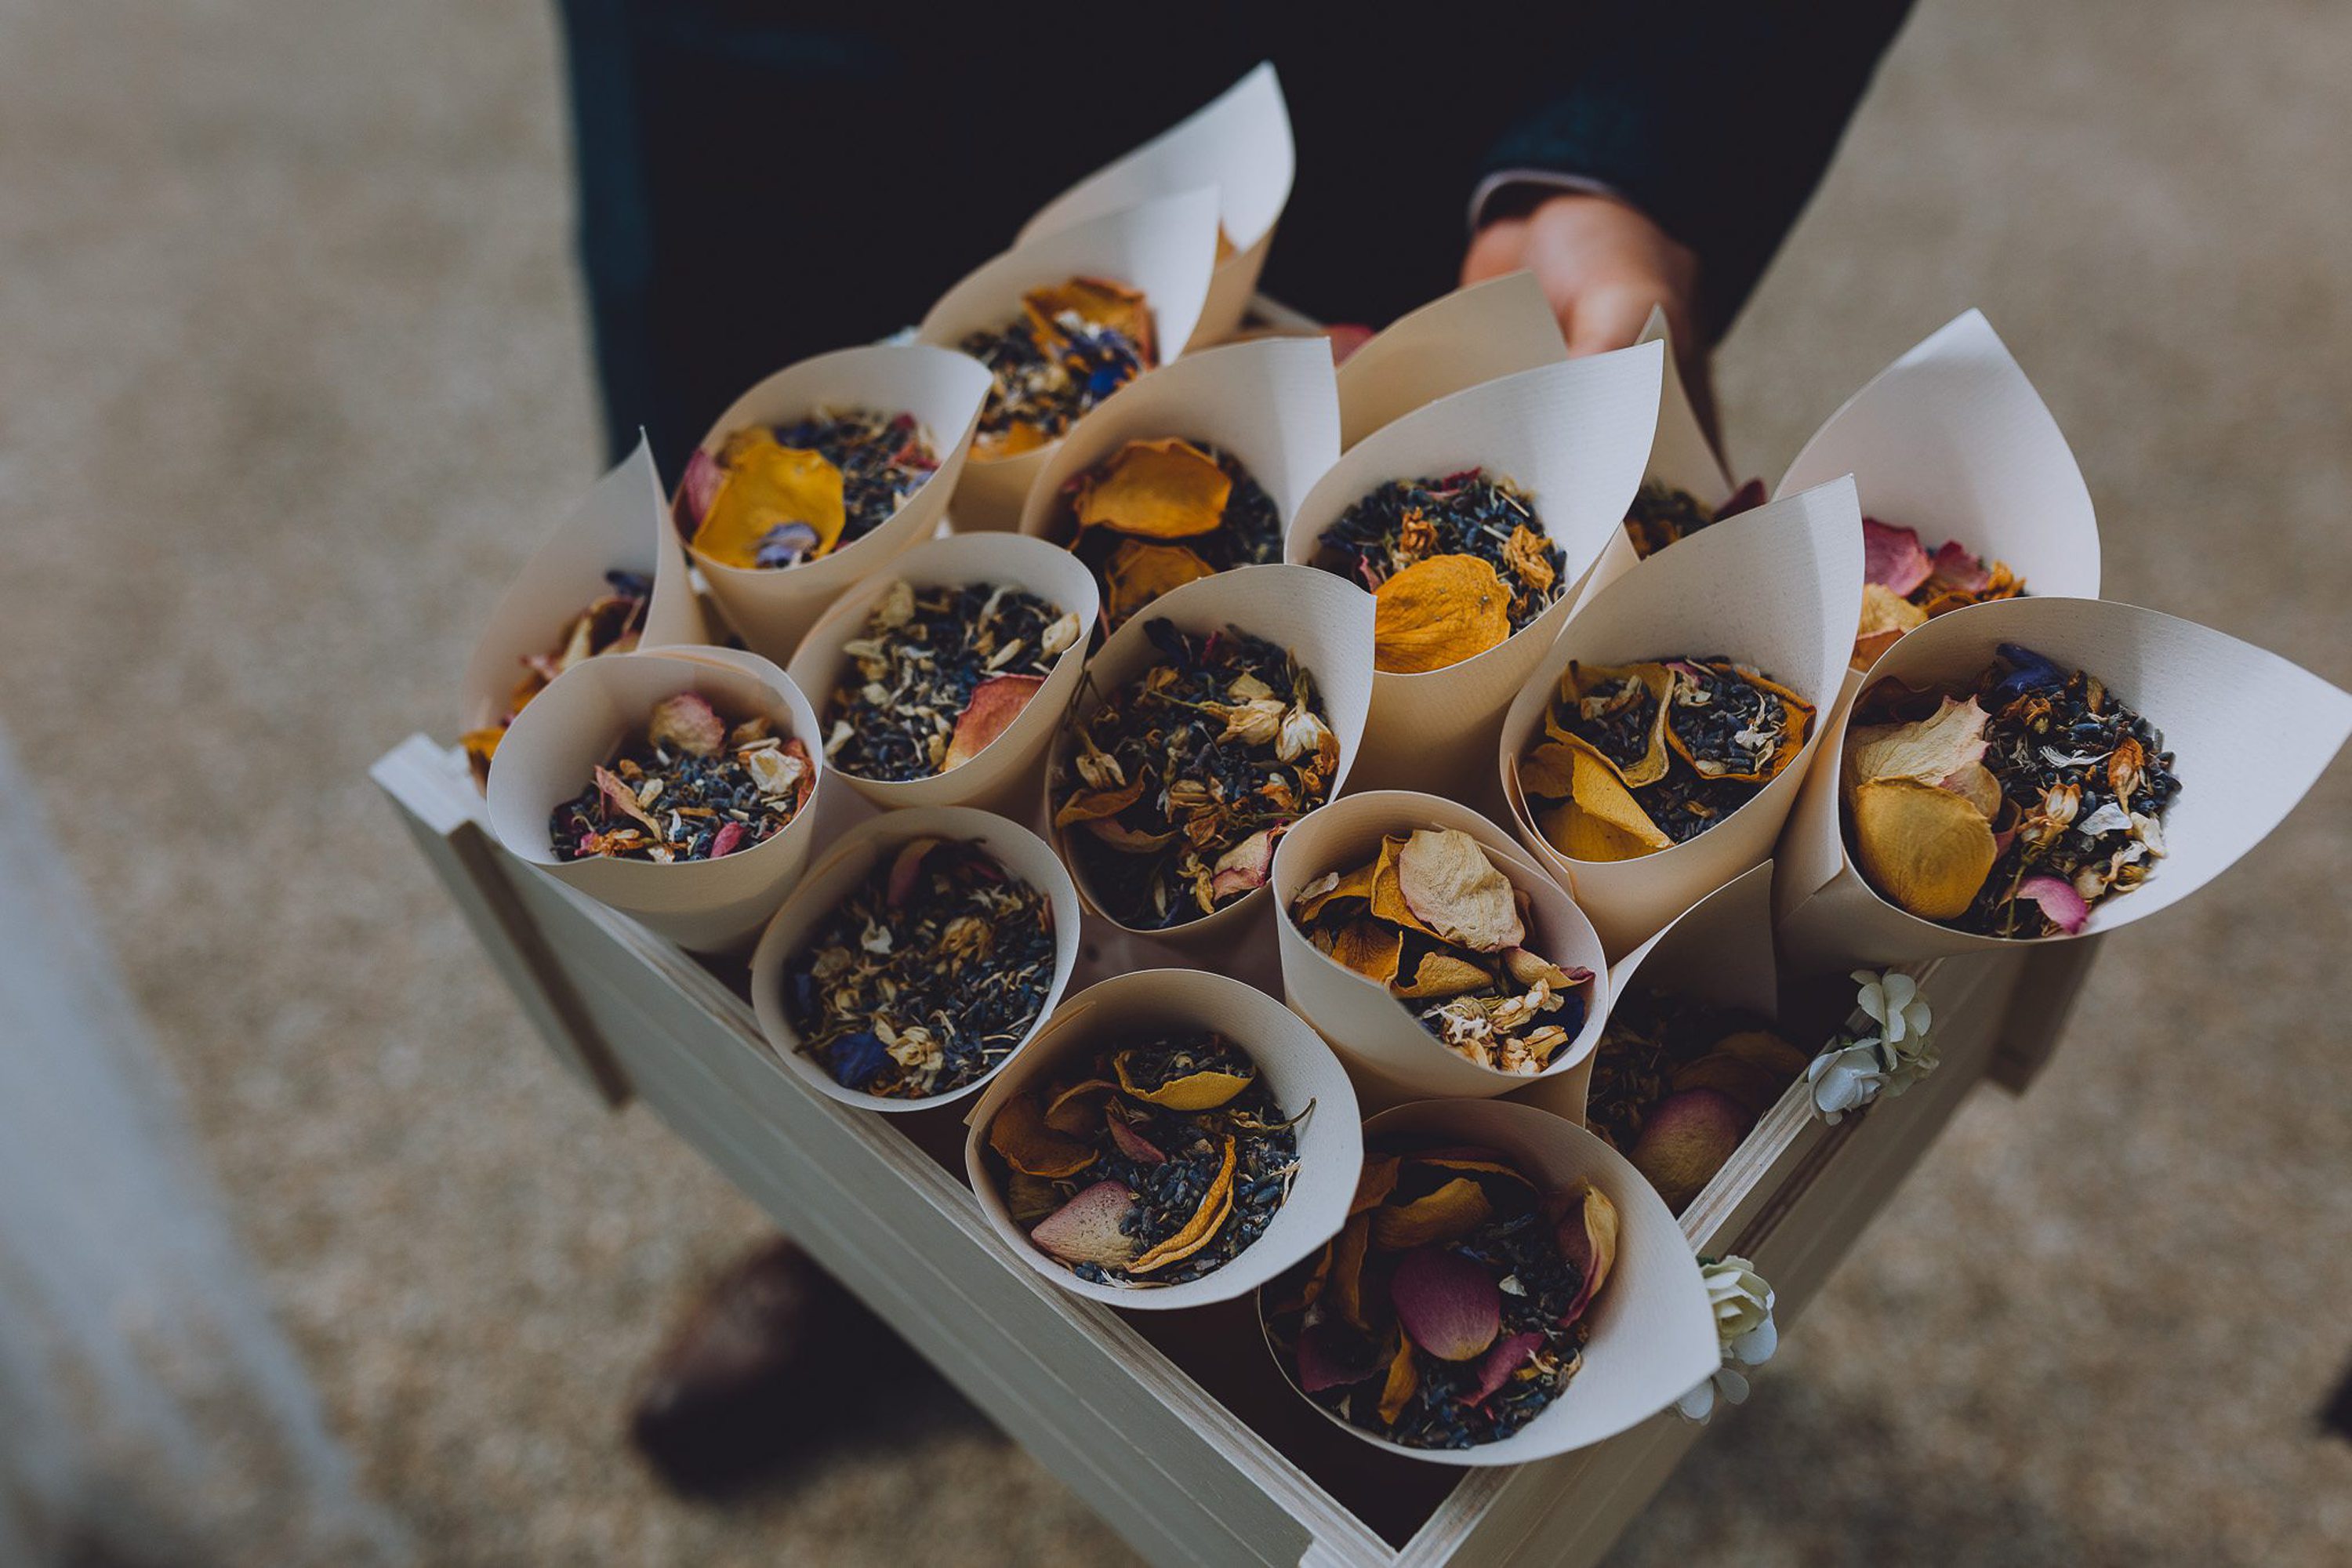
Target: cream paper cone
{"x": 1268, "y": 402}
{"x": 1324, "y": 623}
{"x": 1682, "y": 456}
{"x": 1018, "y": 851}
{"x": 1573, "y": 436}
{"x": 574, "y": 726}
{"x": 1167, "y": 249}
{"x": 1951, "y": 440}
{"x": 1296, "y": 1067}
{"x": 943, "y": 391}
{"x": 1720, "y": 950}
{"x": 1456, "y": 341}
{"x": 2251, "y": 734}
{"x": 1009, "y": 762}
{"x": 1652, "y": 1327}
{"x": 1774, "y": 588}
{"x": 619, "y": 525}
{"x": 1240, "y": 143}
{"x": 1367, "y": 1025}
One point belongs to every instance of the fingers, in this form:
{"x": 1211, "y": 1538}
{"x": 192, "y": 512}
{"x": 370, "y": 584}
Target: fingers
{"x": 1609, "y": 315}
{"x": 1499, "y": 247}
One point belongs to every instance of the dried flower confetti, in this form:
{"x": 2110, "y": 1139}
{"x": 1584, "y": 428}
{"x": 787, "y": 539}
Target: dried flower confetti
{"x": 1073, "y": 345}
{"x": 1451, "y": 1309}
{"x": 1434, "y": 919}
{"x": 610, "y": 624}
{"x": 927, "y": 975}
{"x": 2009, "y": 812}
{"x": 776, "y": 495}
{"x": 1158, "y": 514}
{"x": 1677, "y": 1084}
{"x": 1458, "y": 563}
{"x": 690, "y": 786}
{"x": 937, "y": 673}
{"x": 1172, "y": 792}
{"x": 1156, "y": 1165}
{"x": 1639, "y": 757}
{"x": 1660, "y": 514}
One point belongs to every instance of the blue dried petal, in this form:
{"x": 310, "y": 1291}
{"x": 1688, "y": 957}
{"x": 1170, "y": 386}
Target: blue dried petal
{"x": 803, "y": 985}
{"x": 2030, "y": 672}
{"x": 785, "y": 544}
{"x": 857, "y": 1059}
{"x": 1166, "y": 637}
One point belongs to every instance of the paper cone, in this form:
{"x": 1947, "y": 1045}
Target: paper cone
{"x": 620, "y": 525}
{"x": 1268, "y": 402}
{"x": 2251, "y": 734}
{"x": 1652, "y": 1334}
{"x": 1953, "y": 441}
{"x": 1239, "y": 143}
{"x": 1573, "y": 436}
{"x": 774, "y": 608}
{"x": 1720, "y": 950}
{"x": 1167, "y": 249}
{"x": 575, "y": 726}
{"x": 1015, "y": 849}
{"x": 1774, "y": 588}
{"x": 1325, "y": 623}
{"x": 1010, "y": 761}
{"x": 1456, "y": 341}
{"x": 1368, "y": 1026}
{"x": 1297, "y": 1068}
{"x": 1682, "y": 456}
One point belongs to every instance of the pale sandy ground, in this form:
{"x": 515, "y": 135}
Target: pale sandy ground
{"x": 293, "y": 372}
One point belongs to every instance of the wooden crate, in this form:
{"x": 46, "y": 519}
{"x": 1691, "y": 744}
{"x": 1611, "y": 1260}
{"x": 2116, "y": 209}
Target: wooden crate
{"x": 1176, "y": 1427}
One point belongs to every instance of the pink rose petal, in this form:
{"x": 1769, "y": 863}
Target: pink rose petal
{"x": 1134, "y": 1144}
{"x": 1746, "y": 498}
{"x": 728, "y": 839}
{"x": 995, "y": 703}
{"x": 1448, "y": 1303}
{"x": 1893, "y": 557}
{"x": 1245, "y": 866}
{"x": 1331, "y": 1356}
{"x": 687, "y": 722}
{"x": 1501, "y": 1362}
{"x": 2059, "y": 901}
{"x": 700, "y": 488}
{"x": 1955, "y": 565}
{"x": 907, "y": 867}
{"x": 1087, "y": 1228}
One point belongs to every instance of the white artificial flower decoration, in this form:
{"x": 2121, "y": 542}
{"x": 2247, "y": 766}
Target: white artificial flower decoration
{"x": 1844, "y": 1080}
{"x": 1744, "y": 1332}
{"x": 1894, "y": 1004}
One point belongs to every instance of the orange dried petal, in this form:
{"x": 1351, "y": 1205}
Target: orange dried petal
{"x": 1438, "y": 612}
{"x": 995, "y": 703}
{"x": 1157, "y": 489}
{"x": 1403, "y": 1380}
{"x": 766, "y": 485}
{"x": 1023, "y": 1140}
{"x": 1601, "y": 820}
{"x": 1101, "y": 300}
{"x": 1926, "y": 848}
{"x": 1438, "y": 975}
{"x": 1449, "y": 1214}
{"x": 1370, "y": 947}
{"x": 1582, "y": 680}
{"x": 1217, "y": 1204}
{"x": 1137, "y": 574}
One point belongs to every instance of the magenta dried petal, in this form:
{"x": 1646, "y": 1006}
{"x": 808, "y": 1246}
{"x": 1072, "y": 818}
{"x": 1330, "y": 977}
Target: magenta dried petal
{"x": 1331, "y": 1355}
{"x": 687, "y": 722}
{"x": 1134, "y": 1144}
{"x": 1893, "y": 557}
{"x": 2059, "y": 901}
{"x": 1087, "y": 1228}
{"x": 1746, "y": 498}
{"x": 1956, "y": 566}
{"x": 1448, "y": 1303}
{"x": 729, "y": 838}
{"x": 1501, "y": 1362}
{"x": 700, "y": 488}
{"x": 906, "y": 868}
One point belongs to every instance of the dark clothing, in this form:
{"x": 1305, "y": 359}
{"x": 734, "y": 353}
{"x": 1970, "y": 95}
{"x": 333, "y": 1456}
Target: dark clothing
{"x": 762, "y": 182}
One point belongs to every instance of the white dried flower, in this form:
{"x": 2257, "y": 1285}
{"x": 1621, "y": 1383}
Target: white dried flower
{"x": 897, "y": 605}
{"x": 1844, "y": 1079}
{"x": 1744, "y": 1332}
{"x": 1303, "y": 735}
{"x": 1893, "y": 1003}
{"x": 774, "y": 769}
{"x": 1256, "y": 723}
{"x": 1059, "y": 635}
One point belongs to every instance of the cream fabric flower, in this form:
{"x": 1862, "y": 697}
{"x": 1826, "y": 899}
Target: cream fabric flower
{"x": 1894, "y": 1004}
{"x": 1846, "y": 1080}
{"x": 1743, "y": 1327}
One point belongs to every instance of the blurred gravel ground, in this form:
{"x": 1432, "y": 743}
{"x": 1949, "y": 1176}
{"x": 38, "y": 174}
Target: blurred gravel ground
{"x": 294, "y": 377}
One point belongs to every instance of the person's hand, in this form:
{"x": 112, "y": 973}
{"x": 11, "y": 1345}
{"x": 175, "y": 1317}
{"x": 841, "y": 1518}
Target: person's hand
{"x": 1603, "y": 264}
